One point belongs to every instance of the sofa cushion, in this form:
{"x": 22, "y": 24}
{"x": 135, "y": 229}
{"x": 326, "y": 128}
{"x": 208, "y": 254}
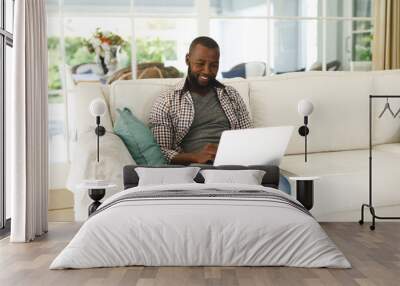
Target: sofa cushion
{"x": 340, "y": 101}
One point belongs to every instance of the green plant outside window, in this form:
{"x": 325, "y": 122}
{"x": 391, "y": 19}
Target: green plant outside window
{"x": 148, "y": 50}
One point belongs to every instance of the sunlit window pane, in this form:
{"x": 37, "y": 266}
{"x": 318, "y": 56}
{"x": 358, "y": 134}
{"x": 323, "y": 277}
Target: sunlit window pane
{"x": 293, "y": 8}
{"x": 362, "y": 8}
{"x": 8, "y": 83}
{"x": 54, "y": 53}
{"x": 238, "y": 8}
{"x": 95, "y": 6}
{"x": 9, "y": 15}
{"x": 349, "y": 45}
{"x": 57, "y": 142}
{"x": 362, "y": 25}
{"x": 349, "y": 8}
{"x": 243, "y": 48}
{"x": 165, "y": 42}
{"x": 164, "y": 6}
{"x": 296, "y": 46}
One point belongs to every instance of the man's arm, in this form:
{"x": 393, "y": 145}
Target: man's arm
{"x": 242, "y": 113}
{"x": 161, "y": 125}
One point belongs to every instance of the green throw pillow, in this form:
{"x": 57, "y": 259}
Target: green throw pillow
{"x": 138, "y": 139}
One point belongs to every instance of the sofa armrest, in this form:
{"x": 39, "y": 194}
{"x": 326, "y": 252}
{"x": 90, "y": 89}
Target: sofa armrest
{"x": 113, "y": 157}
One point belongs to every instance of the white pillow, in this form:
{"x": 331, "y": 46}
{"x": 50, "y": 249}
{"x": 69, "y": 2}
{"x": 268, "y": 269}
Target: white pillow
{"x": 166, "y": 176}
{"x": 248, "y": 177}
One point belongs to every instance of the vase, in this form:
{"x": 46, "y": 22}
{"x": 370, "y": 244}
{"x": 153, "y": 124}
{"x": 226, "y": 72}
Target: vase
{"x": 100, "y": 61}
{"x": 110, "y": 59}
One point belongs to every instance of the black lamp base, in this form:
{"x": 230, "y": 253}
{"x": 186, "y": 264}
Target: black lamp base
{"x": 100, "y": 130}
{"x": 96, "y": 195}
{"x": 303, "y": 130}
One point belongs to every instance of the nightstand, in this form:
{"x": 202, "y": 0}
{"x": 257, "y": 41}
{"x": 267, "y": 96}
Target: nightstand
{"x": 305, "y": 190}
{"x": 96, "y": 191}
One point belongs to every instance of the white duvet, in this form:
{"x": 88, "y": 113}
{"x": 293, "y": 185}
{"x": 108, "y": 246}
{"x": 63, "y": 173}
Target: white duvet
{"x": 200, "y": 231}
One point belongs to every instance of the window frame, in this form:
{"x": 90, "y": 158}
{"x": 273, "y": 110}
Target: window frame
{"x": 6, "y": 39}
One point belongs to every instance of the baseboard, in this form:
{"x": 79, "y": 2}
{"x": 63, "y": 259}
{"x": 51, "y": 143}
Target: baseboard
{"x": 355, "y": 215}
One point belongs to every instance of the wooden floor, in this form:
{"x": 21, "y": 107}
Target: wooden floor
{"x": 374, "y": 255}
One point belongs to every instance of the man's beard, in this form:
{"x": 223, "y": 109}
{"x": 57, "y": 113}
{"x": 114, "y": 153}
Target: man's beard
{"x": 193, "y": 80}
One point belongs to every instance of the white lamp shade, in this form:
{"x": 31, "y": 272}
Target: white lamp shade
{"x": 97, "y": 107}
{"x": 305, "y": 107}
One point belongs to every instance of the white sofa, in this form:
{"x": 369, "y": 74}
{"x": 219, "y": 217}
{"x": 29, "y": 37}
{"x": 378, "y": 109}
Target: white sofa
{"x": 338, "y": 140}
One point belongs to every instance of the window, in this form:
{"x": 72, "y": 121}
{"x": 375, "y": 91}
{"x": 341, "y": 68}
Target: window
{"x": 6, "y": 43}
{"x": 296, "y": 8}
{"x": 163, "y": 7}
{"x": 349, "y": 33}
{"x": 294, "y": 35}
{"x": 238, "y": 8}
{"x": 57, "y": 143}
{"x": 164, "y": 40}
{"x": 240, "y": 48}
{"x": 350, "y": 44}
{"x": 295, "y": 46}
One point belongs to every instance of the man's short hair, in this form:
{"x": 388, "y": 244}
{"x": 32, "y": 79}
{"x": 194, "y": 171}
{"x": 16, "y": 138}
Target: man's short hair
{"x": 204, "y": 41}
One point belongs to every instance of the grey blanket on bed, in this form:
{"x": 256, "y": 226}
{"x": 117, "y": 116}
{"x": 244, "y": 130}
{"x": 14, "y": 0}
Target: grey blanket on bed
{"x": 204, "y": 194}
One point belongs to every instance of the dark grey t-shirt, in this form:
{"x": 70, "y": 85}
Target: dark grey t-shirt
{"x": 208, "y": 123}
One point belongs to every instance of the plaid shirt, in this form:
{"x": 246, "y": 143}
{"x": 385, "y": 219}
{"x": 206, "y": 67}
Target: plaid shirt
{"x": 173, "y": 113}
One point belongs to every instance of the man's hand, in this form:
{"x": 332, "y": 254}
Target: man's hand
{"x": 206, "y": 154}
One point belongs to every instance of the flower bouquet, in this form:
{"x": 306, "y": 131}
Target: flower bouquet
{"x": 106, "y": 45}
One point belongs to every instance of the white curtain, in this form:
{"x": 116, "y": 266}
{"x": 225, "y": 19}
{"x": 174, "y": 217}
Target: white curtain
{"x": 27, "y": 123}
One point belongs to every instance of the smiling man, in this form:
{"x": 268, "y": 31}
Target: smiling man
{"x": 187, "y": 120}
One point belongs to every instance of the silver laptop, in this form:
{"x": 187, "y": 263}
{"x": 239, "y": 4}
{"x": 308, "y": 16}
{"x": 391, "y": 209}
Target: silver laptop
{"x": 256, "y": 146}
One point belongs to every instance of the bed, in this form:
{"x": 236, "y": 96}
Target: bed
{"x": 201, "y": 224}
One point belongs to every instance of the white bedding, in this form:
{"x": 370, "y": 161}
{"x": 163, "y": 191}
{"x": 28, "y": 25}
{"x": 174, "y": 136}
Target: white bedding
{"x": 182, "y": 231}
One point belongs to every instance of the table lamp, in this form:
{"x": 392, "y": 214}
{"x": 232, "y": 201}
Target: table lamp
{"x": 305, "y": 108}
{"x": 98, "y": 108}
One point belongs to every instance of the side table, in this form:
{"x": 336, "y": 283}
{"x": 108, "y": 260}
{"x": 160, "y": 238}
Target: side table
{"x": 305, "y": 190}
{"x": 96, "y": 191}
